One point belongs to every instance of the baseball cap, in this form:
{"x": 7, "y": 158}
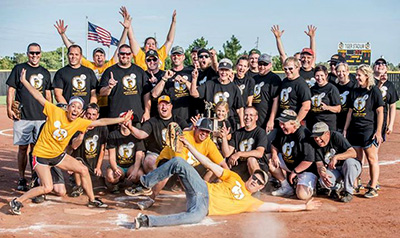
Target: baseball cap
{"x": 99, "y": 49}
{"x": 263, "y": 174}
{"x": 164, "y": 98}
{"x": 202, "y": 50}
{"x": 266, "y": 58}
{"x": 319, "y": 129}
{"x": 177, "y": 50}
{"x": 152, "y": 53}
{"x": 307, "y": 51}
{"x": 195, "y": 49}
{"x": 76, "y": 99}
{"x": 225, "y": 63}
{"x": 287, "y": 115}
{"x": 336, "y": 58}
{"x": 254, "y": 51}
{"x": 204, "y": 124}
{"x": 380, "y": 59}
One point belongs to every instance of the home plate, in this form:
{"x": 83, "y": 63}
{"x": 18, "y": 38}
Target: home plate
{"x": 83, "y": 211}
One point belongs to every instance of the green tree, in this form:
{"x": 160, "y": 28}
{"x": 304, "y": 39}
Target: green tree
{"x": 6, "y": 63}
{"x": 199, "y": 42}
{"x": 231, "y": 49}
{"x": 276, "y": 63}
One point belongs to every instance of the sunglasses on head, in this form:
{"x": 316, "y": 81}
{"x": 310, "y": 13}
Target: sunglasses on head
{"x": 34, "y": 52}
{"x": 204, "y": 56}
{"x": 288, "y": 68}
{"x": 259, "y": 182}
{"x": 124, "y": 53}
{"x": 151, "y": 59}
{"x": 380, "y": 63}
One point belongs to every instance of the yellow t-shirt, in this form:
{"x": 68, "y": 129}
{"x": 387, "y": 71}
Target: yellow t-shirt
{"x": 98, "y": 71}
{"x": 141, "y": 57}
{"x": 230, "y": 196}
{"x": 207, "y": 148}
{"x": 57, "y": 132}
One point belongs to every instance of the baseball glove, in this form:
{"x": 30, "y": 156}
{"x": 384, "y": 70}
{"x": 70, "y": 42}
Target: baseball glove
{"x": 16, "y": 108}
{"x": 172, "y": 137}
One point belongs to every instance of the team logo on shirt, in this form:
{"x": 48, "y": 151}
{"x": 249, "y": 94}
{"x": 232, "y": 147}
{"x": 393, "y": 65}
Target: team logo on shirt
{"x": 383, "y": 90}
{"x": 285, "y": 97}
{"x": 79, "y": 85}
{"x": 257, "y": 91}
{"x": 221, "y": 96}
{"x": 129, "y": 82}
{"x": 164, "y": 136}
{"x": 203, "y": 81}
{"x": 90, "y": 146}
{"x": 192, "y": 160}
{"x": 311, "y": 82}
{"x": 287, "y": 149}
{"x": 59, "y": 134}
{"x": 237, "y": 191}
{"x": 246, "y": 145}
{"x": 36, "y": 80}
{"x": 359, "y": 106}
{"x": 241, "y": 88}
{"x": 316, "y": 101}
{"x": 125, "y": 153}
{"x": 343, "y": 98}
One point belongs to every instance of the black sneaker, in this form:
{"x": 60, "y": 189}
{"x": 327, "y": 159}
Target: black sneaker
{"x": 77, "y": 191}
{"x": 347, "y": 197}
{"x": 39, "y": 199}
{"x": 97, "y": 203}
{"x": 22, "y": 185}
{"x": 334, "y": 194}
{"x": 15, "y": 207}
{"x": 143, "y": 205}
{"x": 115, "y": 189}
{"x": 141, "y": 221}
{"x": 138, "y": 191}
{"x": 371, "y": 193}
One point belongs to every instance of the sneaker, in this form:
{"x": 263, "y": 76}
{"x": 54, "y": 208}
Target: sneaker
{"x": 334, "y": 194}
{"x": 143, "y": 205}
{"x": 115, "y": 189}
{"x": 371, "y": 193}
{"x": 283, "y": 191}
{"x": 39, "y": 199}
{"x": 359, "y": 186}
{"x": 77, "y": 191}
{"x": 141, "y": 221}
{"x": 15, "y": 207}
{"x": 97, "y": 203}
{"x": 347, "y": 197}
{"x": 378, "y": 186}
{"x": 138, "y": 191}
{"x": 22, "y": 185}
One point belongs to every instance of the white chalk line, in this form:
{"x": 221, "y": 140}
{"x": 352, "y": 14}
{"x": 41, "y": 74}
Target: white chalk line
{"x": 390, "y": 162}
{"x": 2, "y": 132}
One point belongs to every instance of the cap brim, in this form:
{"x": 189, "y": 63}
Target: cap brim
{"x": 164, "y": 101}
{"x": 204, "y": 129}
{"x": 282, "y": 119}
{"x": 317, "y": 134}
{"x": 263, "y": 173}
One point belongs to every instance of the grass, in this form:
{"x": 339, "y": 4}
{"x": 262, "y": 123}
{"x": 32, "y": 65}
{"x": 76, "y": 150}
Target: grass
{"x": 398, "y": 105}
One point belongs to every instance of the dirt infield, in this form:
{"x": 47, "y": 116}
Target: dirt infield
{"x": 69, "y": 217}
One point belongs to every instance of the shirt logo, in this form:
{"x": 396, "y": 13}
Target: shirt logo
{"x": 257, "y": 89}
{"x": 383, "y": 90}
{"x": 91, "y": 145}
{"x": 36, "y": 80}
{"x": 359, "y": 103}
{"x": 287, "y": 151}
{"x": 311, "y": 82}
{"x": 79, "y": 82}
{"x": 316, "y": 101}
{"x": 129, "y": 82}
{"x": 221, "y": 96}
{"x": 237, "y": 191}
{"x": 241, "y": 88}
{"x": 125, "y": 152}
{"x": 246, "y": 145}
{"x": 164, "y": 136}
{"x": 343, "y": 98}
{"x": 192, "y": 160}
{"x": 285, "y": 95}
{"x": 179, "y": 88}
{"x": 203, "y": 80}
{"x": 59, "y": 134}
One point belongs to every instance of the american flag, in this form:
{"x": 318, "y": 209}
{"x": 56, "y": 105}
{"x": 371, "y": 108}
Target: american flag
{"x": 101, "y": 35}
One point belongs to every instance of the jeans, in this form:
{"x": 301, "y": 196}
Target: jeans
{"x": 195, "y": 188}
{"x": 349, "y": 172}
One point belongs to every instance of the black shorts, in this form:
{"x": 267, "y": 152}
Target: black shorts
{"x": 48, "y": 162}
{"x": 57, "y": 175}
{"x": 243, "y": 171}
{"x": 360, "y": 138}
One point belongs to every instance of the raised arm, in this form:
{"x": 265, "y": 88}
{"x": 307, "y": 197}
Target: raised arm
{"x": 35, "y": 93}
{"x": 126, "y": 24}
{"x": 171, "y": 33}
{"x": 278, "y": 34}
{"x": 61, "y": 28}
{"x": 193, "y": 87}
{"x": 311, "y": 33}
{"x": 214, "y": 60}
{"x": 131, "y": 36}
{"x": 105, "y": 91}
{"x": 139, "y": 134}
{"x": 111, "y": 121}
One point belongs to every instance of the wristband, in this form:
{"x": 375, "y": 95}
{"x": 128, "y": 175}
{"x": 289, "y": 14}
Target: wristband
{"x": 294, "y": 171}
{"x": 164, "y": 79}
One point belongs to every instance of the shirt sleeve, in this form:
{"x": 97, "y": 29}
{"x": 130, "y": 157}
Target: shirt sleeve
{"x": 87, "y": 63}
{"x": 111, "y": 142}
{"x": 140, "y": 146}
{"x": 213, "y": 152}
{"x": 303, "y": 92}
{"x": 104, "y": 80}
{"x": 58, "y": 81}
{"x": 13, "y": 77}
{"x": 335, "y": 96}
{"x": 146, "y": 127}
{"x": 162, "y": 55}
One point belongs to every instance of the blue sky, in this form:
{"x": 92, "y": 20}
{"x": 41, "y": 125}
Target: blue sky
{"x": 377, "y": 22}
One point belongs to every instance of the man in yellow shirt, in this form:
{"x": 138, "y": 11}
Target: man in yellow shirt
{"x": 231, "y": 196}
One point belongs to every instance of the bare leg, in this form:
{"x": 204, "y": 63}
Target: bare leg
{"x": 22, "y": 158}
{"x": 46, "y": 183}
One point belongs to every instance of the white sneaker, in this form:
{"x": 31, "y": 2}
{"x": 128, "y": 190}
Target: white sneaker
{"x": 283, "y": 191}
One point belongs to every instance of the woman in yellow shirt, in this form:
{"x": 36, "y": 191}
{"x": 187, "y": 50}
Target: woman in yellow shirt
{"x": 50, "y": 148}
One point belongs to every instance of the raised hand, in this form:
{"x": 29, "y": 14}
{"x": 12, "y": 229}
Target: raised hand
{"x": 174, "y": 16}
{"x": 112, "y": 82}
{"x": 127, "y": 18}
{"x": 60, "y": 27}
{"x": 153, "y": 78}
{"x": 276, "y": 31}
{"x": 311, "y": 31}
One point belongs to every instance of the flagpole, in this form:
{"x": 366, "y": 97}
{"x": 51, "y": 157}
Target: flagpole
{"x": 87, "y": 37}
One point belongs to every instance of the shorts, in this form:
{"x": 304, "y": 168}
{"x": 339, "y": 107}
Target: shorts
{"x": 48, "y": 162}
{"x": 26, "y": 132}
{"x": 57, "y": 175}
{"x": 149, "y": 153}
{"x": 125, "y": 170}
{"x": 360, "y": 138}
{"x": 243, "y": 170}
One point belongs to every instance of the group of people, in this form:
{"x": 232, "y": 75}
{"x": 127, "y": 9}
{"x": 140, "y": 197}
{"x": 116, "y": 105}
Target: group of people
{"x": 240, "y": 128}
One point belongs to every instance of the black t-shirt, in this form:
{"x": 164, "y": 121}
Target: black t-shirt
{"x": 344, "y": 91}
{"x": 295, "y": 147}
{"x": 337, "y": 145}
{"x": 147, "y": 89}
{"x": 251, "y": 74}
{"x": 181, "y": 100}
{"x": 125, "y": 147}
{"x": 157, "y": 128}
{"x": 213, "y": 91}
{"x": 364, "y": 103}
{"x": 329, "y": 95}
{"x": 333, "y": 79}
{"x": 89, "y": 150}
{"x": 128, "y": 93}
{"x": 243, "y": 140}
{"x": 207, "y": 75}
{"x": 39, "y": 78}
{"x": 246, "y": 87}
{"x": 75, "y": 82}
{"x": 308, "y": 76}
{"x": 267, "y": 87}
{"x": 389, "y": 96}
{"x": 293, "y": 94}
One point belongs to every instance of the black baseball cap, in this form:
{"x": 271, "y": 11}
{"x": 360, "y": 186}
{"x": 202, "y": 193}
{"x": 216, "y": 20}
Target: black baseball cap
{"x": 202, "y": 50}
{"x": 205, "y": 124}
{"x": 152, "y": 53}
{"x": 336, "y": 58}
{"x": 195, "y": 49}
{"x": 287, "y": 115}
{"x": 380, "y": 59}
{"x": 225, "y": 63}
{"x": 254, "y": 51}
{"x": 99, "y": 49}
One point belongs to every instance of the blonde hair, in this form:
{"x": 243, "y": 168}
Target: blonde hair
{"x": 222, "y": 104}
{"x": 292, "y": 59}
{"x": 346, "y": 68}
{"x": 367, "y": 71}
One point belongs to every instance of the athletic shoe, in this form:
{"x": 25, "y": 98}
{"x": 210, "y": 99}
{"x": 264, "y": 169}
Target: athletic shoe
{"x": 143, "y": 205}
{"x": 15, "y": 207}
{"x": 371, "y": 193}
{"x": 97, "y": 203}
{"x": 22, "y": 185}
{"x": 141, "y": 221}
{"x": 359, "y": 186}
{"x": 115, "y": 189}
{"x": 347, "y": 197}
{"x": 378, "y": 186}
{"x": 77, "y": 191}
{"x": 138, "y": 191}
{"x": 39, "y": 199}
{"x": 334, "y": 194}
{"x": 283, "y": 191}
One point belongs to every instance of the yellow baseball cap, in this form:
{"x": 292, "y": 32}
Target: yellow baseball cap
{"x": 164, "y": 98}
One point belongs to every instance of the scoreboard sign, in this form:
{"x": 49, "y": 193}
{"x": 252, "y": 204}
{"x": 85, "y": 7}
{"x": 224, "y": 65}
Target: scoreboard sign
{"x": 355, "y": 53}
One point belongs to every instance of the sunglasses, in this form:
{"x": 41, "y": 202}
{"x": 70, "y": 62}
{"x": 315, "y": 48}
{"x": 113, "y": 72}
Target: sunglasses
{"x": 288, "y": 68}
{"x": 34, "y": 52}
{"x": 124, "y": 53}
{"x": 380, "y": 63}
{"x": 259, "y": 182}
{"x": 204, "y": 56}
{"x": 151, "y": 59}
{"x": 263, "y": 64}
